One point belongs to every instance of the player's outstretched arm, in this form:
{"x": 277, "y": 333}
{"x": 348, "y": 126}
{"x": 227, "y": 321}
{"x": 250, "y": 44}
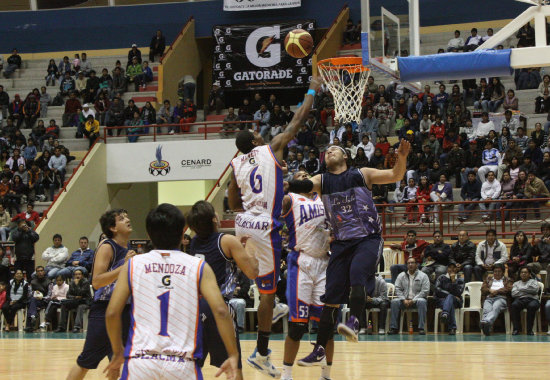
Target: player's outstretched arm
{"x": 211, "y": 293}
{"x": 375, "y": 176}
{"x": 304, "y": 187}
{"x": 246, "y": 261}
{"x": 281, "y": 140}
{"x": 113, "y": 322}
{"x": 233, "y": 194}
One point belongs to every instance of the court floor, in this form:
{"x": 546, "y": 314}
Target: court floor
{"x": 468, "y": 356}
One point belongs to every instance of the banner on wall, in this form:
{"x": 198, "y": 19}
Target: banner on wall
{"x": 258, "y": 5}
{"x": 254, "y": 57}
{"x": 168, "y": 160}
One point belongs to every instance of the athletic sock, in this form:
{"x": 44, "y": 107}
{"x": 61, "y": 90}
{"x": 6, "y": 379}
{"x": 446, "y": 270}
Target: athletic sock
{"x": 325, "y": 370}
{"x": 287, "y": 371}
{"x": 263, "y": 342}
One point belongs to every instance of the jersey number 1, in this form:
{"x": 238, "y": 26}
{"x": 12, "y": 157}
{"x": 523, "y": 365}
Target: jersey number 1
{"x": 253, "y": 179}
{"x": 164, "y": 299}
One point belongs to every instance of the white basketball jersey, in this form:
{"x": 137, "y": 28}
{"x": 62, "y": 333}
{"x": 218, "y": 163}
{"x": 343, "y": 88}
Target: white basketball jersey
{"x": 260, "y": 178}
{"x": 308, "y": 229}
{"x": 165, "y": 304}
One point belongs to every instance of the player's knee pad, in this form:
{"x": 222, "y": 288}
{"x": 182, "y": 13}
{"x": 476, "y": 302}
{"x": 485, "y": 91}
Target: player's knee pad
{"x": 329, "y": 317}
{"x": 296, "y": 330}
{"x": 357, "y": 294}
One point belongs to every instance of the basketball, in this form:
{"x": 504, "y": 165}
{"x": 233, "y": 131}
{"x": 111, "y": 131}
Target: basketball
{"x": 298, "y": 43}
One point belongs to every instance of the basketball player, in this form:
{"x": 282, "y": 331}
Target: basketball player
{"x": 258, "y": 174}
{"x": 165, "y": 285}
{"x": 309, "y": 237}
{"x": 223, "y": 253}
{"x": 358, "y": 244}
{"x": 108, "y": 260}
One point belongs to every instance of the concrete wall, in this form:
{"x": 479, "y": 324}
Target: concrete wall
{"x": 182, "y": 59}
{"x": 77, "y": 211}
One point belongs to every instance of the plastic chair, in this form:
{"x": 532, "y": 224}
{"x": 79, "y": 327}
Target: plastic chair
{"x": 390, "y": 293}
{"x": 21, "y": 313}
{"x": 254, "y": 309}
{"x": 436, "y": 319}
{"x": 390, "y": 258}
{"x": 409, "y": 317}
{"x": 473, "y": 289}
{"x": 72, "y": 314}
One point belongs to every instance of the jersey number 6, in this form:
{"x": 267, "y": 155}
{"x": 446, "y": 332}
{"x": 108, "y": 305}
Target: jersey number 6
{"x": 253, "y": 179}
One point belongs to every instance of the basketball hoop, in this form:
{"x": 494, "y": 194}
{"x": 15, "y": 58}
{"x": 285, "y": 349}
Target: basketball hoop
{"x": 346, "y": 79}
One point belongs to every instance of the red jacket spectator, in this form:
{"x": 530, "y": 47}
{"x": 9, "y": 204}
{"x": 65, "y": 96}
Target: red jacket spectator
{"x": 325, "y": 114}
{"x": 448, "y": 142}
{"x": 413, "y": 250}
{"x": 384, "y": 147}
{"x": 71, "y": 105}
{"x": 29, "y": 215}
{"x": 438, "y": 130}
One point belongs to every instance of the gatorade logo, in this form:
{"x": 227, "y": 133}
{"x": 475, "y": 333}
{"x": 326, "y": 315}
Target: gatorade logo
{"x": 260, "y": 48}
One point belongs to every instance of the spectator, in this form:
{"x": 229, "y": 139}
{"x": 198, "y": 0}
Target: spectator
{"x": 484, "y": 126}
{"x": 263, "y": 116}
{"x": 512, "y": 124}
{"x": 367, "y": 146}
{"x": 116, "y": 116}
{"x": 81, "y": 83}
{"x": 50, "y": 181}
{"x": 526, "y": 36}
{"x": 391, "y": 158}
{"x": 490, "y": 190}
{"x": 488, "y": 36}
{"x": 147, "y": 75}
{"x": 463, "y": 254}
{"x": 45, "y": 100}
{"x": 448, "y": 293}
{"x": 490, "y": 159}
{"x": 539, "y": 136}
{"x": 81, "y": 259}
{"x": 31, "y": 111}
{"x": 361, "y": 160}
{"x": 436, "y": 256}
{"x": 16, "y": 192}
{"x": 133, "y": 73}
{"x": 5, "y": 220}
{"x": 534, "y": 152}
{"x": 379, "y": 300}
{"x": 101, "y": 107}
{"x": 350, "y": 33}
{"x": 78, "y": 297}
{"x": 4, "y": 103}
{"x": 535, "y": 188}
{"x": 525, "y": 294}
{"x": 58, "y": 164}
{"x": 17, "y": 295}
{"x": 350, "y": 135}
{"x": 215, "y": 100}
{"x": 91, "y": 130}
{"x": 71, "y": 107}
{"x": 456, "y": 161}
{"x": 543, "y": 171}
{"x": 85, "y": 65}
{"x": 57, "y": 295}
{"x": 528, "y": 166}
{"x": 189, "y": 115}
{"x": 510, "y": 101}
{"x": 409, "y": 196}
{"x": 55, "y": 257}
{"x": 133, "y": 53}
{"x": 39, "y": 290}
{"x": 52, "y": 73}
{"x": 164, "y": 115}
{"x": 415, "y": 107}
{"x": 422, "y": 197}
{"x": 413, "y": 247}
{"x": 377, "y": 159}
{"x": 495, "y": 290}
{"x": 497, "y": 92}
{"x": 68, "y": 84}
{"x": 136, "y": 127}
{"x": 455, "y": 44}
{"x": 75, "y": 66}
{"x": 441, "y": 192}
{"x": 148, "y": 114}
{"x": 157, "y": 46}
{"x": 489, "y": 253}
{"x": 473, "y": 41}
{"x": 119, "y": 85}
{"x": 384, "y": 113}
{"x": 411, "y": 292}
{"x": 521, "y": 254}
{"x": 541, "y": 253}
{"x": 35, "y": 180}
{"x": 14, "y": 63}
{"x": 312, "y": 164}
{"x": 16, "y": 110}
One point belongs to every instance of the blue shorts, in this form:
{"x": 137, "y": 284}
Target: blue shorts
{"x": 212, "y": 343}
{"x": 352, "y": 263}
{"x": 97, "y": 344}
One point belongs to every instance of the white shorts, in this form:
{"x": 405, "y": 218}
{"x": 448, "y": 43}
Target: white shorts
{"x": 306, "y": 279}
{"x": 160, "y": 367}
{"x": 262, "y": 236}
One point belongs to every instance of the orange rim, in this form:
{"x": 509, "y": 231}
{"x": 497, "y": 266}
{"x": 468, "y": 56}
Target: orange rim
{"x": 351, "y": 64}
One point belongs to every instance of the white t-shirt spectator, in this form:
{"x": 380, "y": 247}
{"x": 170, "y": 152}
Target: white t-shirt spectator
{"x": 456, "y": 43}
{"x": 483, "y": 129}
{"x": 369, "y": 149}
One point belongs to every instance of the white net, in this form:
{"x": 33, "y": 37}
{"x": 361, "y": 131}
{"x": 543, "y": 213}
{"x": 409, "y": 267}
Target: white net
{"x": 346, "y": 79}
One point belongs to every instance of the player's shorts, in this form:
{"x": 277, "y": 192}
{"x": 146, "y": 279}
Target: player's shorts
{"x": 261, "y": 233}
{"x": 160, "y": 367}
{"x": 306, "y": 277}
{"x": 352, "y": 263}
{"x": 97, "y": 344}
{"x": 212, "y": 343}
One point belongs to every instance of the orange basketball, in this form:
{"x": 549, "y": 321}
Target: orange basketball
{"x": 298, "y": 43}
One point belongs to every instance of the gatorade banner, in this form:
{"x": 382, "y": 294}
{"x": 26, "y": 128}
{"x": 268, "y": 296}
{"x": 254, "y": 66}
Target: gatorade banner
{"x": 258, "y": 5}
{"x": 254, "y": 57}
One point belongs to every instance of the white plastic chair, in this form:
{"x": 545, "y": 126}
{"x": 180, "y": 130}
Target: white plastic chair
{"x": 390, "y": 258}
{"x": 72, "y": 314}
{"x": 390, "y": 293}
{"x": 409, "y": 317}
{"x": 436, "y": 319}
{"x": 254, "y": 309}
{"x": 21, "y": 313}
{"x": 473, "y": 289}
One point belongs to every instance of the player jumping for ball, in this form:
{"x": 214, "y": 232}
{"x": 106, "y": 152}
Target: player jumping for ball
{"x": 358, "y": 244}
{"x": 309, "y": 237}
{"x": 258, "y": 174}
{"x": 224, "y": 253}
{"x": 165, "y": 286}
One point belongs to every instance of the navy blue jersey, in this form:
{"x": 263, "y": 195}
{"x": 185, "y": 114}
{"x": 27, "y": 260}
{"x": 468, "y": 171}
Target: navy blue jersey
{"x": 349, "y": 205}
{"x": 119, "y": 254}
{"x": 225, "y": 269}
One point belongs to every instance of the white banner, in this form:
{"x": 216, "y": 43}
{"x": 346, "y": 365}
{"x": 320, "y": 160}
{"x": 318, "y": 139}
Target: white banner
{"x": 168, "y": 161}
{"x": 255, "y": 5}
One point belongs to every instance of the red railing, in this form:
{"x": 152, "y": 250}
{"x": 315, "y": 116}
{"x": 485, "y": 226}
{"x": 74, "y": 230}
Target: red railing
{"x": 65, "y": 184}
{"x": 151, "y": 130}
{"x": 396, "y": 223}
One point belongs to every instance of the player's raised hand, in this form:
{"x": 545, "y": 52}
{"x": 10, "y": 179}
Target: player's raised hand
{"x": 113, "y": 369}
{"x": 131, "y": 253}
{"x": 404, "y": 148}
{"x": 315, "y": 82}
{"x": 229, "y": 367}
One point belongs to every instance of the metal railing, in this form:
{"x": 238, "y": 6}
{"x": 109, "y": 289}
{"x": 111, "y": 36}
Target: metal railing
{"x": 156, "y": 130}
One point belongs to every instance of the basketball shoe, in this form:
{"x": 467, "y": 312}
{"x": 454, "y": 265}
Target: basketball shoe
{"x": 350, "y": 329}
{"x": 315, "y": 358}
{"x": 263, "y": 364}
